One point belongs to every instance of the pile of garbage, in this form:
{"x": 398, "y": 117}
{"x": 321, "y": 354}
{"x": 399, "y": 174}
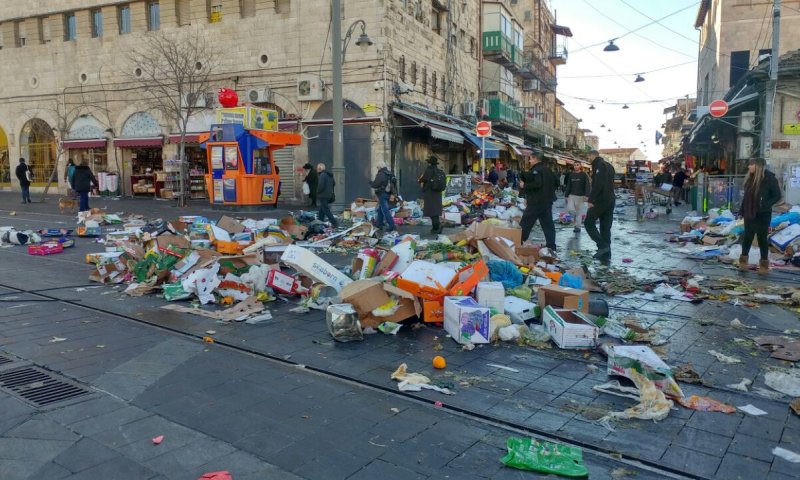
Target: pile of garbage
{"x": 720, "y": 232}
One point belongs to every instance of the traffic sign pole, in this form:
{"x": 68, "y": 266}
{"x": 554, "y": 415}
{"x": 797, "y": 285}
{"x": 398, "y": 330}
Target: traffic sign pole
{"x": 483, "y": 158}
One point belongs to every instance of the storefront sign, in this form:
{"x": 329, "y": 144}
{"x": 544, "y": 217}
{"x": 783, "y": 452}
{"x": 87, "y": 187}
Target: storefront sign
{"x": 791, "y": 128}
{"x": 249, "y": 117}
{"x": 268, "y": 190}
{"x": 216, "y": 158}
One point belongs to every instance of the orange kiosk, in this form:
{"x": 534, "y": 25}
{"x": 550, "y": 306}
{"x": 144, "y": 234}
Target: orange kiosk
{"x": 241, "y": 164}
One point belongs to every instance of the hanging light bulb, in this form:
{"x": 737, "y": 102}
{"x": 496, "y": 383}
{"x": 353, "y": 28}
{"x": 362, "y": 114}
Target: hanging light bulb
{"x": 625, "y": 107}
{"x": 591, "y": 107}
{"x": 639, "y": 126}
{"x": 611, "y": 47}
{"x": 639, "y": 78}
{"x": 609, "y": 129}
{"x": 602, "y": 125}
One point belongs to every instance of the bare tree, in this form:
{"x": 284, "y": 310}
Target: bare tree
{"x": 174, "y": 71}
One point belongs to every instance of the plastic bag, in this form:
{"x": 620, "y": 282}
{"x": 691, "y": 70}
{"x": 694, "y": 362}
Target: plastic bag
{"x": 306, "y": 189}
{"x": 175, "y": 291}
{"x": 544, "y": 457}
{"x": 505, "y": 272}
{"x": 202, "y": 282}
{"x": 705, "y": 404}
{"x": 521, "y": 291}
{"x": 571, "y": 281}
{"x": 343, "y": 324}
{"x": 614, "y": 328}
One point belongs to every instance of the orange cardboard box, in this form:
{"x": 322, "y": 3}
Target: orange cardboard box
{"x": 464, "y": 281}
{"x": 433, "y": 311}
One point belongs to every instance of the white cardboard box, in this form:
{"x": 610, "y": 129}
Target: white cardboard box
{"x": 310, "y": 265}
{"x": 784, "y": 237}
{"x": 429, "y": 274}
{"x": 491, "y": 294}
{"x": 518, "y": 309}
{"x": 569, "y": 328}
{"x": 465, "y": 320}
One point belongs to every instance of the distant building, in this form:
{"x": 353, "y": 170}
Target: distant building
{"x": 677, "y": 125}
{"x": 619, "y": 157}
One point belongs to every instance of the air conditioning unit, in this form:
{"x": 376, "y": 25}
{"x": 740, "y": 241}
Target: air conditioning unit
{"x": 747, "y": 122}
{"x": 197, "y": 100}
{"x": 310, "y": 88}
{"x": 548, "y": 141}
{"x": 530, "y": 85}
{"x": 262, "y": 95}
{"x": 468, "y": 109}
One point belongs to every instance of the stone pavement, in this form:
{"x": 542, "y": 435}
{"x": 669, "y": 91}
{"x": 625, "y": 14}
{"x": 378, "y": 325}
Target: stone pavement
{"x": 550, "y": 394}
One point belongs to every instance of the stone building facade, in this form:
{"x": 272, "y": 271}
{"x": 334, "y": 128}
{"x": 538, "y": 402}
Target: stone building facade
{"x": 58, "y": 53}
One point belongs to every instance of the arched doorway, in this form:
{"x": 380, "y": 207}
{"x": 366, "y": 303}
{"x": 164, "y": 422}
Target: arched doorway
{"x": 5, "y": 164}
{"x": 38, "y": 146}
{"x": 357, "y": 149}
{"x": 86, "y": 142}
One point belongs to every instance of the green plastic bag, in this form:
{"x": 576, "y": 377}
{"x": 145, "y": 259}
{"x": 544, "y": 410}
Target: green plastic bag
{"x": 175, "y": 291}
{"x": 545, "y": 457}
{"x": 521, "y": 291}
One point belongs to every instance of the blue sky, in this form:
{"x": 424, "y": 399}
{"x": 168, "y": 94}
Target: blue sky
{"x": 592, "y": 76}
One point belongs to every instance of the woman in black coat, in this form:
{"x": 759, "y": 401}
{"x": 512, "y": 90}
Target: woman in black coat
{"x": 432, "y": 194}
{"x": 761, "y": 193}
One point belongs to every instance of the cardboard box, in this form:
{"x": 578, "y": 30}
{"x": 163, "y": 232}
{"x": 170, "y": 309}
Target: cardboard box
{"x": 388, "y": 260}
{"x": 466, "y": 321}
{"x": 563, "y": 297}
{"x": 364, "y": 295}
{"x": 310, "y": 265}
{"x": 482, "y": 231}
{"x": 783, "y": 238}
{"x": 433, "y": 311}
{"x": 454, "y": 217}
{"x": 409, "y": 307}
{"x": 491, "y": 294}
{"x": 236, "y": 264}
{"x": 712, "y": 240}
{"x": 366, "y": 203}
{"x": 499, "y": 247}
{"x": 518, "y": 309}
{"x": 164, "y": 241}
{"x": 281, "y": 282}
{"x": 432, "y": 281}
{"x": 686, "y": 227}
{"x": 528, "y": 255}
{"x": 230, "y": 225}
{"x": 364, "y": 263}
{"x": 569, "y": 328}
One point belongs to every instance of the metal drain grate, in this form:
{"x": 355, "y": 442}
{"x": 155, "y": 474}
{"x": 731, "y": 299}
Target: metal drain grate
{"x": 39, "y": 387}
{"x": 4, "y": 360}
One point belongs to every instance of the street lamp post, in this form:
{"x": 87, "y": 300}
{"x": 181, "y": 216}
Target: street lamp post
{"x": 338, "y": 52}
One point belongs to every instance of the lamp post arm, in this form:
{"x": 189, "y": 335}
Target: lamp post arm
{"x": 349, "y": 35}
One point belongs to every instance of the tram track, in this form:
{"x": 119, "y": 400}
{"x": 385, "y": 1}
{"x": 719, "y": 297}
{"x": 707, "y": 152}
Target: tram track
{"x": 509, "y": 426}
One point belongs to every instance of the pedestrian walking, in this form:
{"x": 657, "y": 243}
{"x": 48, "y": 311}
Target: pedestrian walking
{"x": 601, "y": 206}
{"x": 492, "y": 177}
{"x": 385, "y": 186}
{"x": 69, "y": 173}
{"x": 312, "y": 180}
{"x": 24, "y": 176}
{"x": 433, "y": 183}
{"x": 577, "y": 191}
{"x": 538, "y": 185}
{"x": 83, "y": 180}
{"x": 761, "y": 193}
{"x": 325, "y": 195}
{"x": 677, "y": 185}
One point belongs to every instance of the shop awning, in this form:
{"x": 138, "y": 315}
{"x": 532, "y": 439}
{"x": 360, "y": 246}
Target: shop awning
{"x": 139, "y": 142}
{"x": 492, "y": 149}
{"x": 188, "y": 138}
{"x": 440, "y": 130}
{"x": 91, "y": 143}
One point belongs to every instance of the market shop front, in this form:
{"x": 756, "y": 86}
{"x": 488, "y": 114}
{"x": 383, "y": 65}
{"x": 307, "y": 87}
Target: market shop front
{"x": 141, "y": 148}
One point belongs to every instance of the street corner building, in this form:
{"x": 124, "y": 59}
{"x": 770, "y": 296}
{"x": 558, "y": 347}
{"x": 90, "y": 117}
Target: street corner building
{"x": 416, "y": 76}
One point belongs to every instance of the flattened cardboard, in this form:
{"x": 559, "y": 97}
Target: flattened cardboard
{"x": 230, "y": 225}
{"x": 309, "y": 264}
{"x": 563, "y": 297}
{"x": 178, "y": 241}
{"x": 499, "y": 247}
{"x": 387, "y": 262}
{"x": 482, "y": 231}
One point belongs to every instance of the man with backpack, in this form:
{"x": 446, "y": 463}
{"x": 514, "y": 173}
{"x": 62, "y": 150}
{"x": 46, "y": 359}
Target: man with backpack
{"x": 433, "y": 183}
{"x": 385, "y": 186}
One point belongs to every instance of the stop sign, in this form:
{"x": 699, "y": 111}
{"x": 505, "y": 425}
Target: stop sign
{"x": 483, "y": 129}
{"x": 718, "y": 108}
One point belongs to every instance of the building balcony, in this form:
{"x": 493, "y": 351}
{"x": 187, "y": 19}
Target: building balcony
{"x": 499, "y": 49}
{"x": 504, "y": 112}
{"x": 538, "y": 128}
{"x": 558, "y": 55}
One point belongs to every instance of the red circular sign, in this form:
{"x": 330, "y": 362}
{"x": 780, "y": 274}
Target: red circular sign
{"x": 718, "y": 108}
{"x": 483, "y": 129}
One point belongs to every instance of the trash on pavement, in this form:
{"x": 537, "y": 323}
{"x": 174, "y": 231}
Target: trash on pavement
{"x": 783, "y": 348}
{"x": 705, "y": 404}
{"x": 563, "y": 297}
{"x": 653, "y": 405}
{"x": 724, "y": 358}
{"x": 545, "y": 457}
{"x": 751, "y": 410}
{"x": 784, "y": 381}
{"x": 415, "y": 382}
{"x": 222, "y": 475}
{"x": 465, "y": 320}
{"x": 787, "y": 455}
{"x": 518, "y": 309}
{"x": 795, "y": 406}
{"x": 389, "y": 328}
{"x": 686, "y": 374}
{"x": 307, "y": 262}
{"x": 491, "y": 294}
{"x": 343, "y": 324}
{"x": 569, "y": 328}
{"x": 627, "y": 360}
{"x": 157, "y": 440}
{"x": 741, "y": 386}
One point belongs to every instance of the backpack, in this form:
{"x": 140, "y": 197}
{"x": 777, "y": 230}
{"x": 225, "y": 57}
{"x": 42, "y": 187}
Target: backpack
{"x": 438, "y": 182}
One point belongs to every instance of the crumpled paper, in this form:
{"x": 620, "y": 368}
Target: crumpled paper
{"x": 653, "y": 405}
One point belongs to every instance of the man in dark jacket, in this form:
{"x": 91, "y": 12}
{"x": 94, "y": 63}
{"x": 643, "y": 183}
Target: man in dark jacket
{"x": 492, "y": 177}
{"x": 577, "y": 190}
{"x": 677, "y": 185}
{"x": 23, "y": 172}
{"x": 325, "y": 195}
{"x": 601, "y": 206}
{"x": 383, "y": 185}
{"x": 313, "y": 182}
{"x": 538, "y": 185}
{"x": 82, "y": 180}
{"x": 432, "y": 193}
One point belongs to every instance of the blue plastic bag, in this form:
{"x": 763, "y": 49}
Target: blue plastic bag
{"x": 571, "y": 281}
{"x": 791, "y": 217}
{"x": 505, "y": 272}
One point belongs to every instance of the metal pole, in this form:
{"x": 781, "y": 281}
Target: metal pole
{"x": 772, "y": 84}
{"x": 483, "y": 158}
{"x": 338, "y": 113}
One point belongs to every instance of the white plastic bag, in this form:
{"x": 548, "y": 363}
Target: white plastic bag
{"x": 203, "y": 282}
{"x": 306, "y": 189}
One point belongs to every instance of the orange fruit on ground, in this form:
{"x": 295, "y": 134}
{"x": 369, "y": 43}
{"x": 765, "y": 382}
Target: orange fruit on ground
{"x": 438, "y": 362}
